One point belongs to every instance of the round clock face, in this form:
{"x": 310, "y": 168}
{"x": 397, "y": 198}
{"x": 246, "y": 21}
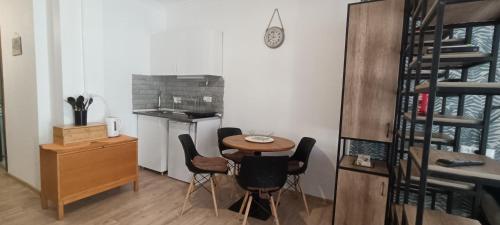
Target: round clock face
{"x": 274, "y": 37}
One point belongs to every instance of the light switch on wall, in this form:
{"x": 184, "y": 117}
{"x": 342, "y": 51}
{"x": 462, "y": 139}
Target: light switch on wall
{"x": 207, "y": 98}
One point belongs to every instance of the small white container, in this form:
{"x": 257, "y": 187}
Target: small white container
{"x": 113, "y": 125}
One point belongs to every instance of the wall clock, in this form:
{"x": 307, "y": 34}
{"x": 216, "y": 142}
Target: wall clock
{"x": 274, "y": 36}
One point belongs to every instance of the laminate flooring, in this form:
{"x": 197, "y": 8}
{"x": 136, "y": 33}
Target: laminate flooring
{"x": 158, "y": 202}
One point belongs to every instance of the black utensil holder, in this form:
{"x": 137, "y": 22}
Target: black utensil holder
{"x": 81, "y": 118}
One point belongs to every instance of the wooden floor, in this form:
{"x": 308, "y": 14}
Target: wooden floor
{"x": 157, "y": 202}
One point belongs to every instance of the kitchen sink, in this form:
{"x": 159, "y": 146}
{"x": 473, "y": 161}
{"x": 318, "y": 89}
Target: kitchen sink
{"x": 172, "y": 112}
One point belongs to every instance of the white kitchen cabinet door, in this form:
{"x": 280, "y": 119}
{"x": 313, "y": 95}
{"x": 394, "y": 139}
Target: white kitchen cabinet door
{"x": 177, "y": 163}
{"x": 200, "y": 53}
{"x": 164, "y": 53}
{"x": 187, "y": 52}
{"x": 206, "y": 137}
{"x": 153, "y": 142}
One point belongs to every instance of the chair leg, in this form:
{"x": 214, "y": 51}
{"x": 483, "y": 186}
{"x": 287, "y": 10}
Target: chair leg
{"x": 247, "y": 211}
{"x": 215, "y": 181}
{"x": 244, "y": 202}
{"x": 213, "y": 195}
{"x": 274, "y": 211}
{"x": 236, "y": 169}
{"x": 303, "y": 198}
{"x": 279, "y": 197}
{"x": 190, "y": 190}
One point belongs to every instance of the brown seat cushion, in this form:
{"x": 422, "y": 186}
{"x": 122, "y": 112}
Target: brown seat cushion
{"x": 294, "y": 165}
{"x": 214, "y": 164}
{"x": 264, "y": 190}
{"x": 236, "y": 156}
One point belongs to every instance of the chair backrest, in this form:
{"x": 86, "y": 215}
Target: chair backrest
{"x": 224, "y": 133}
{"x": 189, "y": 151}
{"x": 263, "y": 172}
{"x": 303, "y": 151}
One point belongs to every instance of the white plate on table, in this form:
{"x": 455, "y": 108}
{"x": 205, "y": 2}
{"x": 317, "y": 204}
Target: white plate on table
{"x": 259, "y": 139}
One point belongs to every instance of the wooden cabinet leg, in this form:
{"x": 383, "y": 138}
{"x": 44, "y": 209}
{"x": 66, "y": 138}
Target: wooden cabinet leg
{"x": 60, "y": 211}
{"x": 44, "y": 201}
{"x": 136, "y": 186}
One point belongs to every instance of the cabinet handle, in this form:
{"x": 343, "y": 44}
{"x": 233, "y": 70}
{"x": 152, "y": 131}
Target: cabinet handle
{"x": 382, "y": 185}
{"x": 388, "y": 130}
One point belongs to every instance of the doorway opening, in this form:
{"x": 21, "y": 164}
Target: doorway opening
{"x": 3, "y": 148}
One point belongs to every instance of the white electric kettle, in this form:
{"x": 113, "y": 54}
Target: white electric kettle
{"x": 113, "y": 125}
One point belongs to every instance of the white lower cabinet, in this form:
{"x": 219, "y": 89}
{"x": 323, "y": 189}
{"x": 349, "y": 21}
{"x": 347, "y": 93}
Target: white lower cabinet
{"x": 204, "y": 134}
{"x": 160, "y": 149}
{"x": 153, "y": 142}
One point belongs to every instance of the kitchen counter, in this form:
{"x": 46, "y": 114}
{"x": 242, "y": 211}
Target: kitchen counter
{"x": 173, "y": 116}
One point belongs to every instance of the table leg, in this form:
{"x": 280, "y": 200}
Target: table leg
{"x": 136, "y": 186}
{"x": 60, "y": 211}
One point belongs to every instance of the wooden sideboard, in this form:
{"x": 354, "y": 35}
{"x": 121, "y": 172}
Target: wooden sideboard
{"x": 76, "y": 171}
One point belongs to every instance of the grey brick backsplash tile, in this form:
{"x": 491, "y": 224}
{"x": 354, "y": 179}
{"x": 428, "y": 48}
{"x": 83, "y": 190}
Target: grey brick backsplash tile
{"x": 145, "y": 90}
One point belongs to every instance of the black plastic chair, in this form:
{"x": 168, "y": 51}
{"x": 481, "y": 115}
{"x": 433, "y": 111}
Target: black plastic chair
{"x": 200, "y": 165}
{"x": 234, "y": 156}
{"x": 297, "y": 165}
{"x": 262, "y": 175}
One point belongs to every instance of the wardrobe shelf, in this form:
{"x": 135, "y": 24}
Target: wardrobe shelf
{"x": 444, "y": 42}
{"x": 424, "y": 74}
{"x": 457, "y": 88}
{"x": 448, "y": 120}
{"x": 436, "y": 182}
{"x": 379, "y": 166}
{"x": 453, "y": 60}
{"x": 435, "y": 217}
{"x": 489, "y": 172}
{"x": 471, "y": 11}
{"x": 437, "y": 138}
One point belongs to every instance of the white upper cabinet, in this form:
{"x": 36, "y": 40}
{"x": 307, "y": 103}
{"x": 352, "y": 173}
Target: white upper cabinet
{"x": 187, "y": 52}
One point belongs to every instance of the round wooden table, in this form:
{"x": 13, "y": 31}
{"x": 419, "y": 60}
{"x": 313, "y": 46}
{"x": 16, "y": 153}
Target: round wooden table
{"x": 278, "y": 145}
{"x": 261, "y": 210}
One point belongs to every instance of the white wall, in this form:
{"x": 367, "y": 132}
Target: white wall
{"x": 128, "y": 26}
{"x": 16, "y": 17}
{"x": 294, "y": 90}
{"x": 56, "y": 63}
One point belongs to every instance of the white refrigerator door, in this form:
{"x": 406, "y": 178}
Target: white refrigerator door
{"x": 176, "y": 162}
{"x": 153, "y": 137}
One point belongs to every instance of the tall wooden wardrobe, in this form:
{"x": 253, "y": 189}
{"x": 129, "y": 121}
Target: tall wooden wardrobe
{"x": 371, "y": 69}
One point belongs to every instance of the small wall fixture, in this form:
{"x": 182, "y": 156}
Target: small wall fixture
{"x": 17, "y": 46}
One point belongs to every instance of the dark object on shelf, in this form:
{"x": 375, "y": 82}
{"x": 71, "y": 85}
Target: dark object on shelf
{"x": 72, "y": 102}
{"x": 452, "y": 80}
{"x": 89, "y": 102}
{"x": 458, "y": 163}
{"x": 81, "y": 118}
{"x": 80, "y": 108}
{"x": 80, "y": 103}
{"x": 455, "y": 49}
{"x": 198, "y": 115}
